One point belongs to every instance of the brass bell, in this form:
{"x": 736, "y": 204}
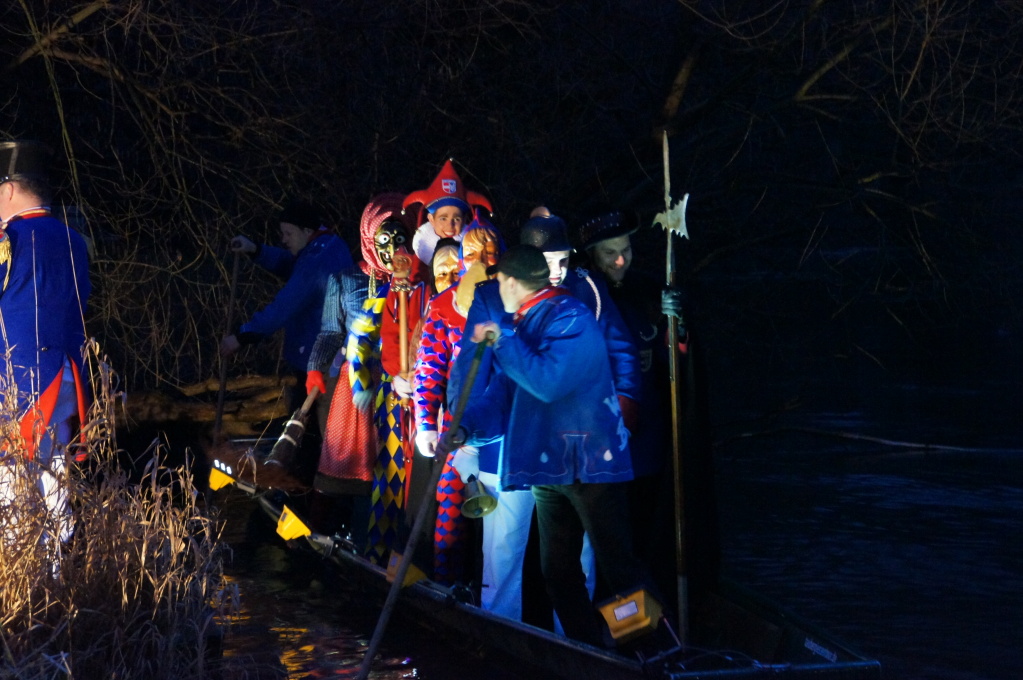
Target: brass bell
{"x": 478, "y": 501}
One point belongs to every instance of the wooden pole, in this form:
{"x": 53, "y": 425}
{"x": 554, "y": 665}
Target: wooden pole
{"x": 219, "y": 417}
{"x": 421, "y": 514}
{"x": 681, "y": 568}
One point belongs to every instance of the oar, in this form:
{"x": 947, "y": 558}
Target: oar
{"x": 421, "y": 513}
{"x": 219, "y": 418}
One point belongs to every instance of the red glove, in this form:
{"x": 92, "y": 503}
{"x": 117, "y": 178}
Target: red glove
{"x": 630, "y": 412}
{"x": 315, "y": 379}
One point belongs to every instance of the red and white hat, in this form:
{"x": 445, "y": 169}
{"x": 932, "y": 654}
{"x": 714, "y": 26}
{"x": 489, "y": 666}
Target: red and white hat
{"x": 447, "y": 189}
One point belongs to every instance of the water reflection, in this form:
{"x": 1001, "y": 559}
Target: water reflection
{"x": 299, "y": 619}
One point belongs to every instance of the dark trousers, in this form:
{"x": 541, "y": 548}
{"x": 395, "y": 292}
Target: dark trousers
{"x": 564, "y": 513}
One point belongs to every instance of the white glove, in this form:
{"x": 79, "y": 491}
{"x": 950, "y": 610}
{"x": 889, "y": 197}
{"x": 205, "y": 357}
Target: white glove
{"x": 426, "y": 442}
{"x": 363, "y": 400}
{"x": 467, "y": 463}
{"x": 402, "y": 386}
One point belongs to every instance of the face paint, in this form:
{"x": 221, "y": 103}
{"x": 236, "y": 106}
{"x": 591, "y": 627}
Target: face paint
{"x": 388, "y": 239}
{"x": 479, "y": 245}
{"x": 445, "y": 268}
{"x": 557, "y": 261}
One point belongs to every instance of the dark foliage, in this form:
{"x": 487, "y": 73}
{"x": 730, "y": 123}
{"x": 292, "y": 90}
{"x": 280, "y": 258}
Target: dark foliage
{"x": 865, "y": 153}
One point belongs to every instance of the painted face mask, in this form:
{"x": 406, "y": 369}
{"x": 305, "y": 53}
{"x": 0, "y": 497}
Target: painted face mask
{"x": 390, "y": 237}
{"x": 480, "y": 245}
{"x": 445, "y": 268}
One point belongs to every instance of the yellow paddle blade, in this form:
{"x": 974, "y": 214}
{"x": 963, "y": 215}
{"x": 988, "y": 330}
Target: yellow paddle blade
{"x": 413, "y": 575}
{"x": 289, "y": 526}
{"x": 219, "y": 479}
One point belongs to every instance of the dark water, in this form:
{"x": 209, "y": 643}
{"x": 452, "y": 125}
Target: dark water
{"x": 299, "y": 620}
{"x": 911, "y": 555}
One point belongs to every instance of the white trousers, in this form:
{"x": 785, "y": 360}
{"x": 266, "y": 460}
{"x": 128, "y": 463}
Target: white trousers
{"x": 505, "y": 534}
{"x": 27, "y": 486}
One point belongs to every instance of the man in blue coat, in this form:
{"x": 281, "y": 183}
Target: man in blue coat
{"x": 506, "y": 530}
{"x": 44, "y": 286}
{"x": 555, "y": 409}
{"x": 311, "y": 252}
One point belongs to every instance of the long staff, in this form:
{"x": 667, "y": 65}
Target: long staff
{"x": 402, "y": 285}
{"x": 673, "y": 220}
{"x": 421, "y": 513}
{"x": 219, "y": 418}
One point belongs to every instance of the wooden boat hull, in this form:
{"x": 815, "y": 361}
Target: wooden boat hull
{"x": 738, "y": 634}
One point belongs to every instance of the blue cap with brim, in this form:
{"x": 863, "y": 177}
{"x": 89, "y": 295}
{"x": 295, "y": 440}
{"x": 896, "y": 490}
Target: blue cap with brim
{"x": 446, "y": 201}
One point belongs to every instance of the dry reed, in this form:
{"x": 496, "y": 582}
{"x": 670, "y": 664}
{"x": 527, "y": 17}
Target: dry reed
{"x": 137, "y": 591}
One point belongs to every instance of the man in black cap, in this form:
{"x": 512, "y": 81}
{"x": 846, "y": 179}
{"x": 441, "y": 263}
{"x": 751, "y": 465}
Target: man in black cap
{"x": 44, "y": 286}
{"x": 555, "y": 408}
{"x": 311, "y": 252}
{"x": 506, "y": 530}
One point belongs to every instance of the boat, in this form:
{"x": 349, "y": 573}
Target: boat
{"x": 734, "y": 633}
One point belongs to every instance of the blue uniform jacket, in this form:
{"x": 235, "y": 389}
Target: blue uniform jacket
{"x": 298, "y": 306}
{"x": 42, "y": 308}
{"x": 553, "y": 401}
{"x": 487, "y": 306}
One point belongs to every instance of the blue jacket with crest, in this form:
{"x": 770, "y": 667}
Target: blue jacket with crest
{"x": 553, "y": 401}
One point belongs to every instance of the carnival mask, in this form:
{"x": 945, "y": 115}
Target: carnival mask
{"x": 388, "y": 240}
{"x": 480, "y": 245}
{"x": 445, "y": 268}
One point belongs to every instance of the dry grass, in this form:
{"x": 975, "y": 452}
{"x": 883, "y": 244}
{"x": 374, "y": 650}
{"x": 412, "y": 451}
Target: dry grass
{"x": 138, "y": 590}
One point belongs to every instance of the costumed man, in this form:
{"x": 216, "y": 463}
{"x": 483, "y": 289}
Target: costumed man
{"x": 506, "y": 530}
{"x": 344, "y": 475}
{"x": 442, "y": 331}
{"x": 606, "y": 238}
{"x": 554, "y": 408}
{"x": 44, "y": 287}
{"x": 446, "y": 272}
{"x": 311, "y": 253}
{"x": 377, "y": 352}
{"x": 447, "y": 205}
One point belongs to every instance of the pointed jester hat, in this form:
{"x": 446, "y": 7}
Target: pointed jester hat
{"x": 447, "y": 189}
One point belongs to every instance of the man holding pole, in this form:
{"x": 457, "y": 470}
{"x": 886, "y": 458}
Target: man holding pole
{"x": 554, "y": 406}
{"x": 311, "y": 252}
{"x": 506, "y": 530}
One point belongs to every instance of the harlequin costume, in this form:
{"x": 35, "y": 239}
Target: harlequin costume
{"x": 350, "y": 445}
{"x": 442, "y": 331}
{"x": 373, "y": 361}
{"x": 447, "y": 189}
